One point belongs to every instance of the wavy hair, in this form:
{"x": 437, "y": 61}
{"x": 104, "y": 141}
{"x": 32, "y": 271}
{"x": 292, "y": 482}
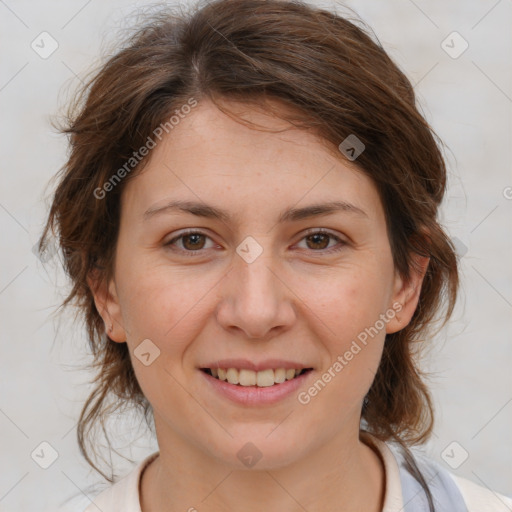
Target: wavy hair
{"x": 333, "y": 78}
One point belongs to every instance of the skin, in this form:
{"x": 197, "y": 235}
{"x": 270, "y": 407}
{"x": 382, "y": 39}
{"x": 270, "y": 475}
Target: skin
{"x": 295, "y": 301}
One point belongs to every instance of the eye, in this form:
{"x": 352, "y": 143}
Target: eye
{"x": 190, "y": 242}
{"x": 318, "y": 241}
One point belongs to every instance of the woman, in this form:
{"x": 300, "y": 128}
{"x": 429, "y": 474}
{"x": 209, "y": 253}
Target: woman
{"x": 249, "y": 219}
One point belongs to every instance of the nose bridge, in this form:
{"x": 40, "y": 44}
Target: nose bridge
{"x": 256, "y": 286}
{"x": 255, "y": 300}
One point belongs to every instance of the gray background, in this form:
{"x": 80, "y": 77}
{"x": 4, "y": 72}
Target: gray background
{"x": 466, "y": 99}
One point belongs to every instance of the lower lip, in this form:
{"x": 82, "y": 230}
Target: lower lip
{"x": 254, "y": 395}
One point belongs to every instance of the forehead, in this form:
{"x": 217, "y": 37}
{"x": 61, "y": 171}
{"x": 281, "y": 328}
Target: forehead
{"x": 210, "y": 156}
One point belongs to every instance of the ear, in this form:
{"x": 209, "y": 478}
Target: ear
{"x": 406, "y": 294}
{"x": 107, "y": 304}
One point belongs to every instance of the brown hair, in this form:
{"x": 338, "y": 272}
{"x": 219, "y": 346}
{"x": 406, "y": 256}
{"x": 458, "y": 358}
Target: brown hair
{"x": 335, "y": 80}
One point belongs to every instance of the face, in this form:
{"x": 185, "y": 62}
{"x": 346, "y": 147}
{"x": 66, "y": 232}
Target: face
{"x": 268, "y": 284}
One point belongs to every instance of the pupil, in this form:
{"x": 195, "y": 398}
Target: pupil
{"x": 319, "y": 235}
{"x": 195, "y": 238}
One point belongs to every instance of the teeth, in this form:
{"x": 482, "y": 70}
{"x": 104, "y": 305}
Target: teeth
{"x": 246, "y": 377}
{"x": 232, "y": 376}
{"x": 264, "y": 378}
{"x": 280, "y": 375}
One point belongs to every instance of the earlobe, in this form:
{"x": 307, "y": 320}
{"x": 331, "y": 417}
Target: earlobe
{"x": 407, "y": 294}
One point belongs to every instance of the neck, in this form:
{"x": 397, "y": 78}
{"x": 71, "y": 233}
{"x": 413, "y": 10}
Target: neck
{"x": 337, "y": 476}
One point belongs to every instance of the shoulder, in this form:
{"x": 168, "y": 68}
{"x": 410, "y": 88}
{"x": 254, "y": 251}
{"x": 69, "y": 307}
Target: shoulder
{"x": 450, "y": 492}
{"x": 121, "y": 495}
{"x": 80, "y": 500}
{"x": 481, "y": 498}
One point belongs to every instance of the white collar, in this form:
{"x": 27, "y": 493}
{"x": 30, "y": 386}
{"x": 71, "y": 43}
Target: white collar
{"x": 125, "y": 493}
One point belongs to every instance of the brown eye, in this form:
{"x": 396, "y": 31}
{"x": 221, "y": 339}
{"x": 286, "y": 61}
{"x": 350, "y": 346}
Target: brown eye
{"x": 193, "y": 242}
{"x": 188, "y": 243}
{"x": 318, "y": 241}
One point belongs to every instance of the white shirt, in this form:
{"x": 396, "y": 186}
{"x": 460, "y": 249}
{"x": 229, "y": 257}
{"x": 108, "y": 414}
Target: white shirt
{"x": 402, "y": 492}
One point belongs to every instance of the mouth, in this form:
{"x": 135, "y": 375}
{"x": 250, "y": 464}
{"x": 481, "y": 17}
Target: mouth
{"x": 242, "y": 377}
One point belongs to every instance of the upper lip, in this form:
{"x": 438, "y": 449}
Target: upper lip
{"x": 245, "y": 364}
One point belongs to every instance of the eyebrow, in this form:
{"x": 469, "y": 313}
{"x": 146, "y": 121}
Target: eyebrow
{"x": 289, "y": 215}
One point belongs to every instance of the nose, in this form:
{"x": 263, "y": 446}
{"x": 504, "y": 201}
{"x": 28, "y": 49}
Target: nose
{"x": 256, "y": 300}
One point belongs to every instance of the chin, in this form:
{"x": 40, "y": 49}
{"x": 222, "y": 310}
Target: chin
{"x": 261, "y": 451}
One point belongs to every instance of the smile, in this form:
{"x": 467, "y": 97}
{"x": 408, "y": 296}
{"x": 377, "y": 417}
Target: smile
{"x": 257, "y": 387}
{"x": 263, "y": 378}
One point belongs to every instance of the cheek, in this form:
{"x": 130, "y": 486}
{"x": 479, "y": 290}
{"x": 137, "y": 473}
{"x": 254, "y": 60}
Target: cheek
{"x": 348, "y": 300}
{"x": 352, "y": 336}
{"x": 346, "y": 308}
{"x": 165, "y": 308}
{"x": 164, "y": 305}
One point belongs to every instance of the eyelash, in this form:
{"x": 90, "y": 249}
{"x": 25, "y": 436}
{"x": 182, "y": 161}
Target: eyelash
{"x": 308, "y": 233}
